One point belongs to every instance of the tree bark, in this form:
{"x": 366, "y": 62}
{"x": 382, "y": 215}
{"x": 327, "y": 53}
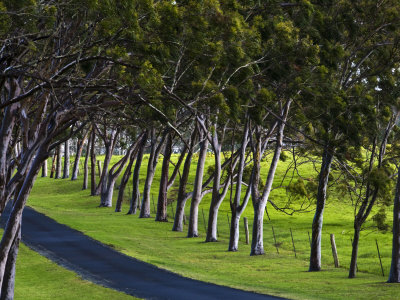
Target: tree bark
{"x": 80, "y": 145}
{"x": 135, "y": 178}
{"x": 197, "y": 189}
{"x": 394, "y": 275}
{"x": 315, "y": 256}
{"x": 44, "y": 169}
{"x": 14, "y": 222}
{"x": 354, "y": 253}
{"x": 259, "y": 203}
{"x": 93, "y": 164}
{"x": 151, "y": 169}
{"x": 162, "y": 202}
{"x": 371, "y": 193}
{"x": 109, "y": 144}
{"x": 124, "y": 181}
{"x": 237, "y": 208}
{"x": 112, "y": 175}
{"x": 85, "y": 166}
{"x": 53, "y": 164}
{"x": 66, "y": 159}
{"x": 182, "y": 195}
{"x": 7, "y": 289}
{"x": 58, "y": 163}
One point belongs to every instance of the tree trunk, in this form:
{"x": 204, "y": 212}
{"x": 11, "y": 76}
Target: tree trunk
{"x": 85, "y": 166}
{"x": 124, "y": 181}
{"x": 14, "y": 221}
{"x": 162, "y": 202}
{"x": 354, "y": 253}
{"x": 216, "y": 197}
{"x": 257, "y": 242}
{"x": 237, "y": 208}
{"x": 80, "y": 145}
{"x": 259, "y": 203}
{"x": 108, "y": 191}
{"x": 66, "y": 159}
{"x": 212, "y": 224}
{"x": 53, "y": 164}
{"x": 44, "y": 169}
{"x": 315, "y": 256}
{"x": 109, "y": 145}
{"x": 58, "y": 164}
{"x": 93, "y": 164}
{"x": 151, "y": 169}
{"x": 234, "y": 233}
{"x": 135, "y": 178}
{"x": 394, "y": 275}
{"x": 197, "y": 189}
{"x": 182, "y": 195}
{"x": 7, "y": 289}
{"x": 113, "y": 174}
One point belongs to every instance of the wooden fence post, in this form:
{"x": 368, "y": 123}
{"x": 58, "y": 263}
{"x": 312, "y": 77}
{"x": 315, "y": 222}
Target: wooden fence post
{"x": 334, "y": 251}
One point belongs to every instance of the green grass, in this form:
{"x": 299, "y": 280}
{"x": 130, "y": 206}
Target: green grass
{"x": 278, "y": 274}
{"x": 39, "y": 278}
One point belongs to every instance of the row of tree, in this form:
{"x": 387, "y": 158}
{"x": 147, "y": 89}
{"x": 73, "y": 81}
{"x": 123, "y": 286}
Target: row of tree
{"x": 239, "y": 78}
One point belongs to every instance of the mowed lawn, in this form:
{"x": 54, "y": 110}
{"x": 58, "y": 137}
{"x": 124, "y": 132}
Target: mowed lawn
{"x": 280, "y": 274}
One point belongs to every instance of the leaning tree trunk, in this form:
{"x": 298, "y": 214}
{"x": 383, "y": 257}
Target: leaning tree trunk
{"x": 85, "y": 166}
{"x": 237, "y": 208}
{"x": 44, "y": 169}
{"x": 113, "y": 174}
{"x": 259, "y": 203}
{"x": 58, "y": 163}
{"x": 151, "y": 169}
{"x": 93, "y": 164}
{"x": 75, "y": 169}
{"x": 145, "y": 207}
{"x": 7, "y": 289}
{"x": 53, "y": 164}
{"x": 394, "y": 275}
{"x": 315, "y": 256}
{"x": 371, "y": 193}
{"x": 216, "y": 198}
{"x": 354, "y": 253}
{"x": 182, "y": 195}
{"x": 162, "y": 202}
{"x": 124, "y": 182}
{"x": 66, "y": 159}
{"x": 216, "y": 201}
{"x": 14, "y": 221}
{"x": 109, "y": 145}
{"x": 135, "y": 178}
{"x": 197, "y": 190}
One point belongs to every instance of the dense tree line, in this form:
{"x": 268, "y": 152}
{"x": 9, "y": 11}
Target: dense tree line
{"x": 240, "y": 79}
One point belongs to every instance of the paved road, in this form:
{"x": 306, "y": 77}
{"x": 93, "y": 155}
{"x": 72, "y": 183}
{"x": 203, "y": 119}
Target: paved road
{"x": 103, "y": 265}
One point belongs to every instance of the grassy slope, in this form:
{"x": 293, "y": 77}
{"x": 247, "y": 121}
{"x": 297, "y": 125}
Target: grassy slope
{"x": 39, "y": 278}
{"x": 276, "y": 274}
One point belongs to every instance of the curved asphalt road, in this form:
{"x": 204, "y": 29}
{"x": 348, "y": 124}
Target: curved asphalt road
{"x": 105, "y": 266}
